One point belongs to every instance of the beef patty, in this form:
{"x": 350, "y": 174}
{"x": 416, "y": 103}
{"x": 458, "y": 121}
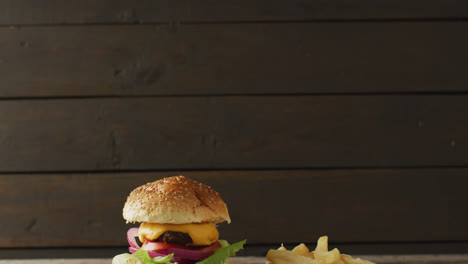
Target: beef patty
{"x": 175, "y": 238}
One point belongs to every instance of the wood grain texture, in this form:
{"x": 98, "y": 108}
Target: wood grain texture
{"x": 220, "y": 59}
{"x": 361, "y": 248}
{"x": 267, "y": 207}
{"x": 233, "y": 132}
{"x": 187, "y": 11}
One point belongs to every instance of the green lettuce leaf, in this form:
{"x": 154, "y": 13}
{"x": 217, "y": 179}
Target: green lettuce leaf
{"x": 143, "y": 257}
{"x": 222, "y": 254}
{"x": 223, "y": 243}
{"x": 219, "y": 257}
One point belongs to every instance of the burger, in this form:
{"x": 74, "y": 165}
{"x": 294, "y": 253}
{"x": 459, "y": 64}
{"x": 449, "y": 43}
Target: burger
{"x": 178, "y": 219}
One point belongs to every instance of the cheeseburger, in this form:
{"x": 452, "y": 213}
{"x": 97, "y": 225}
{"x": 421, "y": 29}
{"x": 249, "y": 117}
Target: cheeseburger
{"x": 178, "y": 219}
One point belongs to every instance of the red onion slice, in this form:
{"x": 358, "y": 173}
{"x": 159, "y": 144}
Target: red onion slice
{"x": 185, "y": 253}
{"x": 131, "y": 234}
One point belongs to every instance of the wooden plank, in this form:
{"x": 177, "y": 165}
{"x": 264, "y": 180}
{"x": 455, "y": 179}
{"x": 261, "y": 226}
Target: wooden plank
{"x": 275, "y": 58}
{"x": 267, "y": 207}
{"x": 233, "y": 132}
{"x": 363, "y": 248}
{"x": 164, "y": 11}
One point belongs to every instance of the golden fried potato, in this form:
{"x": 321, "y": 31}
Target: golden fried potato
{"x": 282, "y": 247}
{"x": 288, "y": 257}
{"x": 301, "y": 250}
{"x": 322, "y": 244}
{"x": 328, "y": 256}
{"x": 301, "y": 255}
{"x": 347, "y": 259}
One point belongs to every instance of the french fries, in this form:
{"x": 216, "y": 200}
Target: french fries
{"x": 287, "y": 257}
{"x": 301, "y": 255}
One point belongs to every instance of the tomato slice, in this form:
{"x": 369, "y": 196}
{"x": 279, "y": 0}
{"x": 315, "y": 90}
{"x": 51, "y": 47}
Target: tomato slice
{"x": 155, "y": 246}
{"x": 211, "y": 247}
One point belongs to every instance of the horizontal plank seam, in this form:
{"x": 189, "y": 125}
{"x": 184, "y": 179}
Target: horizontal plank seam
{"x": 27, "y": 98}
{"x": 338, "y": 244}
{"x": 230, "y": 169}
{"x": 260, "y": 21}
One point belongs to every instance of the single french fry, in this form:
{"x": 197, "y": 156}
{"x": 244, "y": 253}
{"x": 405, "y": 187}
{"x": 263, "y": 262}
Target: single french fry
{"x": 282, "y": 247}
{"x": 322, "y": 244}
{"x": 301, "y": 250}
{"x": 347, "y": 259}
{"x": 329, "y": 257}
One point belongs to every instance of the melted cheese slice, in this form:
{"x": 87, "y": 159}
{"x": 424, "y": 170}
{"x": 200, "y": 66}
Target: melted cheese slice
{"x": 201, "y": 234}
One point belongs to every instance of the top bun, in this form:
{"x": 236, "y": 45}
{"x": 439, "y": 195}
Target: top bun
{"x": 175, "y": 200}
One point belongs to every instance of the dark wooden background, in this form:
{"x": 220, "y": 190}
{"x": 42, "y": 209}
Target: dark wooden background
{"x": 342, "y": 117}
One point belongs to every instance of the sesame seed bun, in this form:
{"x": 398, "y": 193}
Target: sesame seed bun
{"x": 175, "y": 200}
